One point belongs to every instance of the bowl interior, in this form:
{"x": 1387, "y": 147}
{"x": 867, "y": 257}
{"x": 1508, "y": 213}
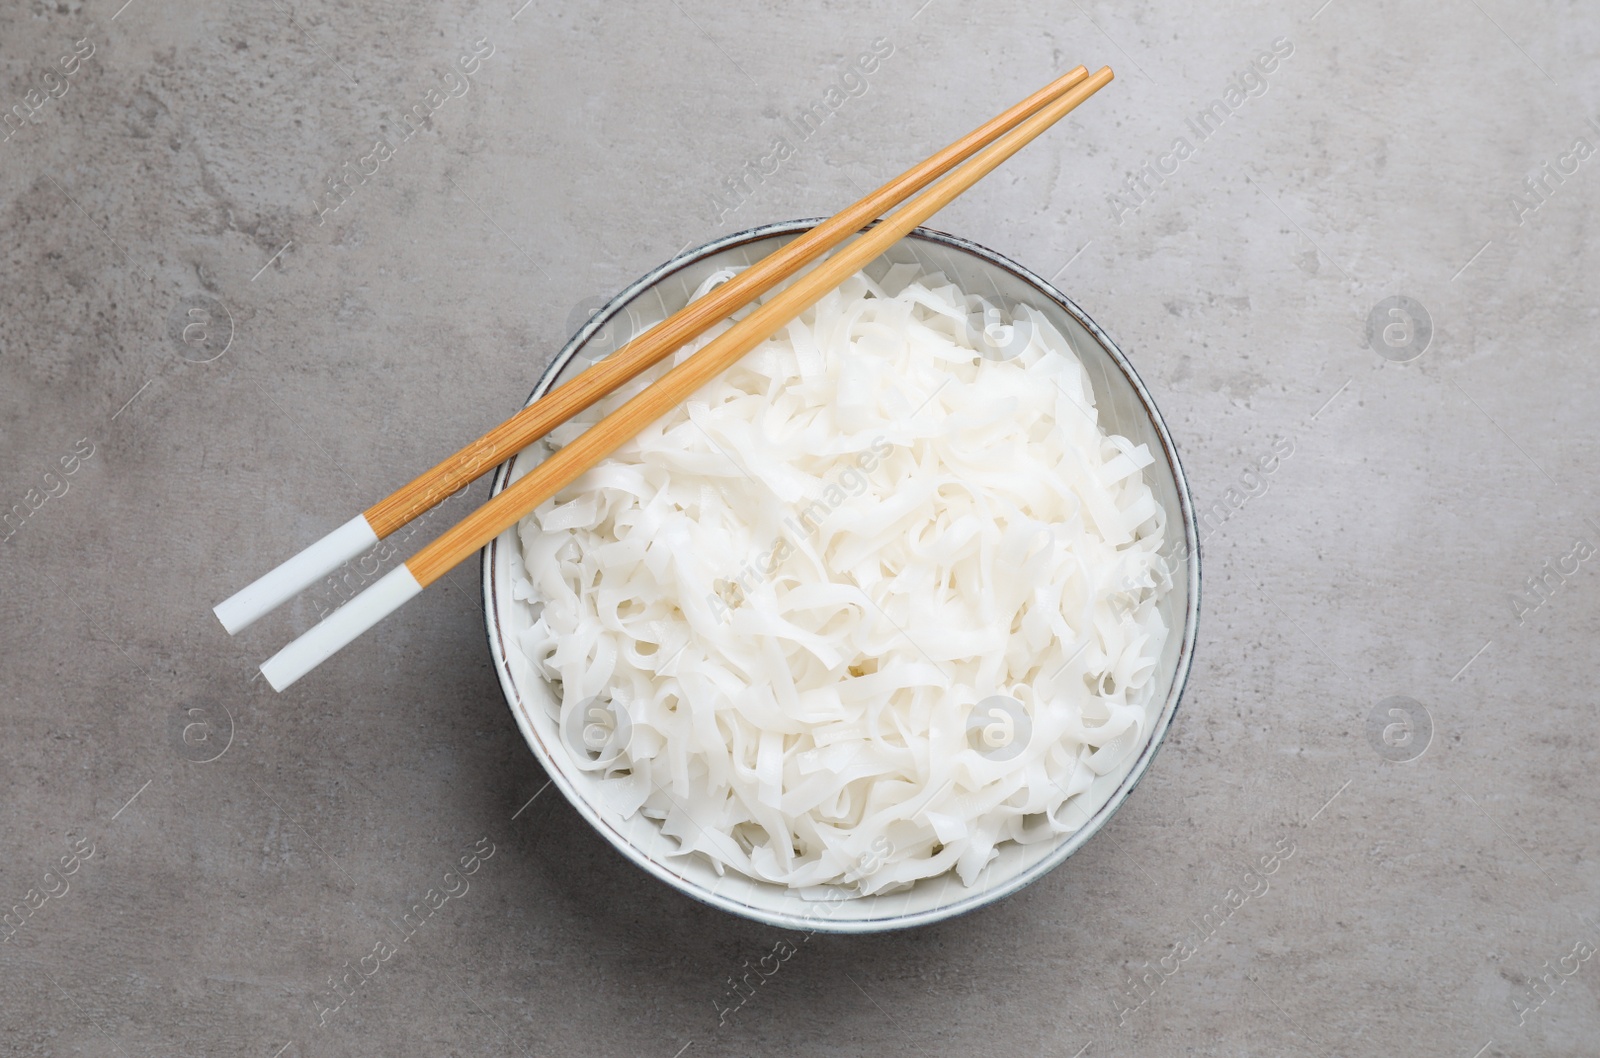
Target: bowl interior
{"x": 1125, "y": 408}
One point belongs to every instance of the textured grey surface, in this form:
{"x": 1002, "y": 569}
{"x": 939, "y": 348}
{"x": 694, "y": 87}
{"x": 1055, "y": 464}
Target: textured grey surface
{"x": 1427, "y": 905}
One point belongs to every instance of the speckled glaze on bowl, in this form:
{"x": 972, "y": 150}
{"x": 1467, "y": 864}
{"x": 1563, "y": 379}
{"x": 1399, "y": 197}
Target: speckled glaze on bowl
{"x": 1125, "y": 407}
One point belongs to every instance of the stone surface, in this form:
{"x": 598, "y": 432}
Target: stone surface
{"x": 248, "y": 847}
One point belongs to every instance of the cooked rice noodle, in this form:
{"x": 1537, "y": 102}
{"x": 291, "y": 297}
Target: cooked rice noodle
{"x": 865, "y": 606}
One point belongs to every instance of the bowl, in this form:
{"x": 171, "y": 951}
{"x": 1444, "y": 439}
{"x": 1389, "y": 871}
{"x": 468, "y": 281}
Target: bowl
{"x": 1125, "y": 407}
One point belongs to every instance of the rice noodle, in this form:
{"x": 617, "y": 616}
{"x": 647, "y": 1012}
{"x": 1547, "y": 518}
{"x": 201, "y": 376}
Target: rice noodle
{"x": 864, "y": 607}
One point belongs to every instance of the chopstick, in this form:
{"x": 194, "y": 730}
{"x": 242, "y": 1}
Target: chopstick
{"x": 564, "y": 466}
{"x": 534, "y": 421}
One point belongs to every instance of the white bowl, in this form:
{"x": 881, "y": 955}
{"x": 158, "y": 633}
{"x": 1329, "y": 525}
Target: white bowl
{"x": 1125, "y": 408}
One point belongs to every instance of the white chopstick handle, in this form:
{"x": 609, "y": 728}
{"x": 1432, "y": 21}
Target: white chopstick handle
{"x": 242, "y": 609}
{"x": 322, "y": 641}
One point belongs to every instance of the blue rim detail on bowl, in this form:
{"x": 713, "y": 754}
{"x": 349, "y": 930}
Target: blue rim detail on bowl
{"x": 1164, "y": 717}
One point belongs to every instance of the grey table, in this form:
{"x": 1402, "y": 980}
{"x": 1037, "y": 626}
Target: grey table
{"x": 264, "y": 261}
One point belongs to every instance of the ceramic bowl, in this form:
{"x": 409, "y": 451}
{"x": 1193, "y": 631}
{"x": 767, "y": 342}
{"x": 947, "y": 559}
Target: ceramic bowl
{"x": 1125, "y": 407}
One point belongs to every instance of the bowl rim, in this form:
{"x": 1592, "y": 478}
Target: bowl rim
{"x": 1073, "y": 841}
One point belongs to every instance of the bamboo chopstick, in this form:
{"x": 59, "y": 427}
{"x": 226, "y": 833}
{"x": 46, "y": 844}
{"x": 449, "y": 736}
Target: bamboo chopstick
{"x": 534, "y": 421}
{"x": 610, "y": 433}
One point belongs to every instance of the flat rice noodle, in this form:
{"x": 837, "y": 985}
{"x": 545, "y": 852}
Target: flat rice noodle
{"x": 800, "y": 585}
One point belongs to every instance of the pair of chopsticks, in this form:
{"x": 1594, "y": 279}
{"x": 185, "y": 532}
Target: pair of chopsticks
{"x": 977, "y": 154}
